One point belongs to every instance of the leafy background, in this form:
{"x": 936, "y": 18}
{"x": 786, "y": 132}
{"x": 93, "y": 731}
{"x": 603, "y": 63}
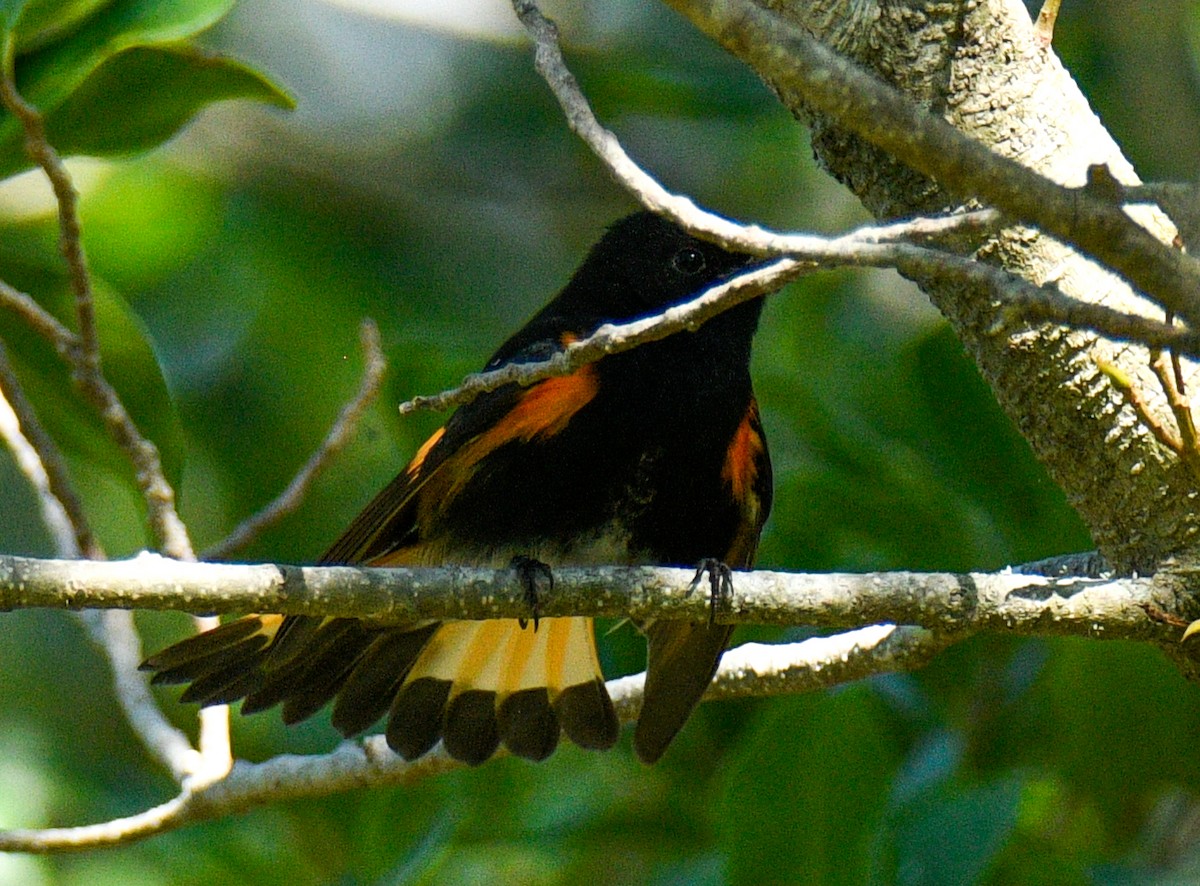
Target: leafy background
{"x": 425, "y": 179}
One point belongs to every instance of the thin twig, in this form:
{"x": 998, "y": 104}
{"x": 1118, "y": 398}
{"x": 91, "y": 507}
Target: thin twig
{"x": 1043, "y": 29}
{"x": 1164, "y": 370}
{"x": 39, "y": 319}
{"x": 615, "y": 338}
{"x": 1021, "y": 303}
{"x": 1046, "y": 304}
{"x": 43, "y": 465}
{"x": 748, "y": 671}
{"x": 650, "y": 193}
{"x": 114, "y": 632}
{"x": 343, "y": 429}
{"x": 82, "y": 353}
{"x": 67, "y": 198}
{"x": 82, "y": 350}
{"x": 1169, "y": 370}
{"x": 1132, "y": 395}
{"x": 25, "y": 455}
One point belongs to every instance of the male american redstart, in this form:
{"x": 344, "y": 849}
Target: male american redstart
{"x": 651, "y": 456}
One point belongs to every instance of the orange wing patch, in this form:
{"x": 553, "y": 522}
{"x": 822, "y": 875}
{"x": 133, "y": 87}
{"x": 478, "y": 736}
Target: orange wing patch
{"x": 542, "y": 411}
{"x": 414, "y": 466}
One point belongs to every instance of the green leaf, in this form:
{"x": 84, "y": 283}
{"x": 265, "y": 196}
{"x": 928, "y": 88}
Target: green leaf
{"x": 141, "y": 97}
{"x": 44, "y": 21}
{"x": 130, "y": 365}
{"x": 105, "y": 68}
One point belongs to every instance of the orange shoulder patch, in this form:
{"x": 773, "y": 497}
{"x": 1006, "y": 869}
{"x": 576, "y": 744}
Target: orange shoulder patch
{"x": 543, "y": 410}
{"x": 743, "y": 461}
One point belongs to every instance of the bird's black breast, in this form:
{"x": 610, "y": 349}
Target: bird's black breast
{"x": 639, "y": 467}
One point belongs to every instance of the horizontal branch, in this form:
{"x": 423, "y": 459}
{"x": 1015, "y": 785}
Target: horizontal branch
{"x": 747, "y": 670}
{"x": 955, "y": 603}
{"x": 923, "y": 613}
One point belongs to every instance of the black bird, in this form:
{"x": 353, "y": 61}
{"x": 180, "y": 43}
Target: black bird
{"x": 651, "y": 456}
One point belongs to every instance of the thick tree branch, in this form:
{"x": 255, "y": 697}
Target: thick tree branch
{"x": 978, "y": 67}
{"x": 1007, "y": 602}
{"x": 832, "y": 85}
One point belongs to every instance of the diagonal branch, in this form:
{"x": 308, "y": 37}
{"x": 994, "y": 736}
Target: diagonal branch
{"x": 67, "y": 199}
{"x": 827, "y": 83}
{"x": 880, "y": 247}
{"x": 40, "y": 460}
{"x": 82, "y": 350}
{"x": 375, "y": 364}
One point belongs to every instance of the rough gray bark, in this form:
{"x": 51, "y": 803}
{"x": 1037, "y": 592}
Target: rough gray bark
{"x": 978, "y": 65}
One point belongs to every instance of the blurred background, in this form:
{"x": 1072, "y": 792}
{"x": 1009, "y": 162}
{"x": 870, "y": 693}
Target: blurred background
{"x": 426, "y": 180}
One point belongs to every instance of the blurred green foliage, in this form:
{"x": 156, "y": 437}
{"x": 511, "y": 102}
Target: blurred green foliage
{"x": 426, "y": 179}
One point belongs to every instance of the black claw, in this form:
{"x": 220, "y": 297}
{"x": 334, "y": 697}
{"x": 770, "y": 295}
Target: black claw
{"x": 720, "y": 585}
{"x": 529, "y": 573}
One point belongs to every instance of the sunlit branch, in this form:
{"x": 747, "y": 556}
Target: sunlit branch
{"x": 1007, "y": 602}
{"x": 747, "y": 671}
{"x": 804, "y": 70}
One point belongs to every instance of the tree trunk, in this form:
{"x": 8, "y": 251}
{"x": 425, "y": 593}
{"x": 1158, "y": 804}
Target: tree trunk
{"x": 980, "y": 67}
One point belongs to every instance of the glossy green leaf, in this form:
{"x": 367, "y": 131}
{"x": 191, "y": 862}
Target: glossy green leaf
{"x": 102, "y": 76}
{"x": 141, "y": 97}
{"x": 131, "y": 366}
{"x": 43, "y": 21}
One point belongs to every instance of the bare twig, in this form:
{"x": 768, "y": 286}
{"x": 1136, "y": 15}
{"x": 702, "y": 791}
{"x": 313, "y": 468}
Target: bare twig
{"x": 1020, "y": 302}
{"x": 67, "y": 198}
{"x": 1168, "y": 437}
{"x": 1044, "y": 28}
{"x": 39, "y": 320}
{"x": 114, "y": 632}
{"x": 681, "y": 209}
{"x": 615, "y": 338}
{"x": 807, "y": 73}
{"x": 343, "y": 429}
{"x": 42, "y": 463}
{"x": 82, "y": 353}
{"x": 82, "y": 350}
{"x": 1166, "y": 371}
{"x": 750, "y": 670}
{"x": 1046, "y": 304}
{"x": 25, "y": 455}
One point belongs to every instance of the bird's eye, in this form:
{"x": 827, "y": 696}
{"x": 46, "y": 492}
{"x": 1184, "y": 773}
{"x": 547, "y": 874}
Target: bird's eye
{"x": 688, "y": 261}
